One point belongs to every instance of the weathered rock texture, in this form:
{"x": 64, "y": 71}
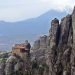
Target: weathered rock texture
{"x": 39, "y": 48}
{"x": 59, "y": 47}
{"x": 40, "y": 43}
{"x": 53, "y": 54}
{"x": 36, "y": 45}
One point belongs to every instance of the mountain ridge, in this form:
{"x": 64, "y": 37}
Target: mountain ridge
{"x": 28, "y": 29}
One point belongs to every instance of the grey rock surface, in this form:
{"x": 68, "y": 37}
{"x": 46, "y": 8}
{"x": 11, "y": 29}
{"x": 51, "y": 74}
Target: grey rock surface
{"x": 52, "y": 54}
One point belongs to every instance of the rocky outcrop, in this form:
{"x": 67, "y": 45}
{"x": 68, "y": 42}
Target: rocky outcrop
{"x": 9, "y": 70}
{"x": 36, "y": 45}
{"x": 43, "y": 41}
{"x": 39, "y": 49}
{"x": 53, "y": 54}
{"x": 40, "y": 43}
{"x": 2, "y": 67}
{"x": 73, "y": 48}
{"x": 59, "y": 50}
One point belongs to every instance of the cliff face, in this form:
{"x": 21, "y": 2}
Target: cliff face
{"x": 59, "y": 53}
{"x": 53, "y": 54}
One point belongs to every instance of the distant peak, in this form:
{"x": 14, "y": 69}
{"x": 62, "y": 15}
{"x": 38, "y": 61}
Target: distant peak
{"x": 2, "y": 21}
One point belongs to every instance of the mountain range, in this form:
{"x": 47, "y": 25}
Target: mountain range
{"x": 30, "y": 29}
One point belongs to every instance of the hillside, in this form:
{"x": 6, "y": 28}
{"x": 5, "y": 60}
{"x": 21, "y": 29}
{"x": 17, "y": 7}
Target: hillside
{"x": 30, "y": 29}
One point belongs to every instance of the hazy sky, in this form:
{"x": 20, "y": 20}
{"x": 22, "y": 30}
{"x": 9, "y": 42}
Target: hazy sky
{"x": 15, "y": 10}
